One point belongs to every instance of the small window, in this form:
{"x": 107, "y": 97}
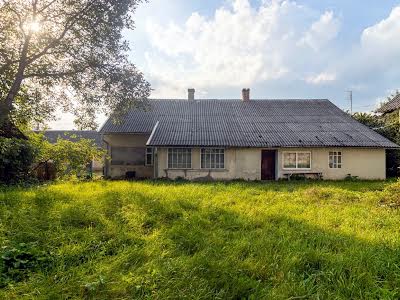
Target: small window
{"x": 179, "y": 158}
{"x": 297, "y": 160}
{"x": 335, "y": 159}
{"x": 149, "y": 156}
{"x": 212, "y": 158}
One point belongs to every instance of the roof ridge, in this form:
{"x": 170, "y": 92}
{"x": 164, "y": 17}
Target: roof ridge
{"x": 237, "y": 99}
{"x": 64, "y": 130}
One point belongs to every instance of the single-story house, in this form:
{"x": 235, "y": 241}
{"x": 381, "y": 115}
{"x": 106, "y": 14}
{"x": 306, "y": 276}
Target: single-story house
{"x": 242, "y": 139}
{"x": 75, "y": 135}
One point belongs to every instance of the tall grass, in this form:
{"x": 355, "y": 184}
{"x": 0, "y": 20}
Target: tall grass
{"x": 159, "y": 240}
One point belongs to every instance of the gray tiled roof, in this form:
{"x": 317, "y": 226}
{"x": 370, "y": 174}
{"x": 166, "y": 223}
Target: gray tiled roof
{"x": 73, "y": 135}
{"x": 390, "y": 106}
{"x": 257, "y": 123}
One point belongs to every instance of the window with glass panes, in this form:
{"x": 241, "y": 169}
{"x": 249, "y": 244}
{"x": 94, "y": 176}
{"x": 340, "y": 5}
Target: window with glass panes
{"x": 212, "y": 158}
{"x": 296, "y": 160}
{"x": 179, "y": 158}
{"x": 335, "y": 159}
{"x": 149, "y": 156}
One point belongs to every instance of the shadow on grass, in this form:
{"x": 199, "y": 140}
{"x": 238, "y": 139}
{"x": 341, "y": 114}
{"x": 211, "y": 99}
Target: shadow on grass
{"x": 217, "y": 253}
{"x": 283, "y": 185}
{"x": 150, "y": 248}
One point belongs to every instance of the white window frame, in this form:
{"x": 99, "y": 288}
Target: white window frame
{"x": 191, "y": 158}
{"x": 201, "y": 158}
{"x": 149, "y": 153}
{"x": 297, "y": 152}
{"x": 337, "y": 164}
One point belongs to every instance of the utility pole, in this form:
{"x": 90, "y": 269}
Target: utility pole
{"x": 351, "y": 101}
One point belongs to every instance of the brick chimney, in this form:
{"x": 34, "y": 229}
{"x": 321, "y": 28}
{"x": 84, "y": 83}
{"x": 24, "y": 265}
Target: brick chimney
{"x": 246, "y": 95}
{"x": 191, "y": 94}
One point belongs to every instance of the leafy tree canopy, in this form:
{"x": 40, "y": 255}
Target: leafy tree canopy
{"x": 68, "y": 157}
{"x": 67, "y": 54}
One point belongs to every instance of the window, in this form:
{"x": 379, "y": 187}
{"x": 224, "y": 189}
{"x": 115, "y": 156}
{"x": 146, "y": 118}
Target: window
{"x": 127, "y": 156}
{"x": 297, "y": 160}
{"x": 179, "y": 158}
{"x": 212, "y": 158}
{"x": 149, "y": 156}
{"x": 335, "y": 159}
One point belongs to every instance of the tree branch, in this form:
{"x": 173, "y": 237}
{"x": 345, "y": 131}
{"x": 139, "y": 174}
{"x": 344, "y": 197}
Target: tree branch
{"x": 55, "y": 42}
{"x": 41, "y": 10}
{"x": 56, "y": 74}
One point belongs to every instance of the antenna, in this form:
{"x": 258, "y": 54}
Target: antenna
{"x": 351, "y": 101}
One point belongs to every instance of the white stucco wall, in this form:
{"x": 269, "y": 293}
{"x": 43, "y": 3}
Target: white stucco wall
{"x": 365, "y": 163}
{"x": 245, "y": 163}
{"x": 239, "y": 163}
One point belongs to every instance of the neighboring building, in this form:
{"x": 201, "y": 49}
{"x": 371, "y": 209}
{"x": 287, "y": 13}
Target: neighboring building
{"x": 390, "y": 106}
{"x": 75, "y": 135}
{"x": 242, "y": 139}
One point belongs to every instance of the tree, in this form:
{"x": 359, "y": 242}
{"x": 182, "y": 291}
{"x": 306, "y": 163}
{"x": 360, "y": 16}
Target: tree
{"x": 68, "y": 157}
{"x": 67, "y": 54}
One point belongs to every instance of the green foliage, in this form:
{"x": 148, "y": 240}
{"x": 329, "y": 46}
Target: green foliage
{"x": 16, "y": 158}
{"x": 69, "y": 157}
{"x": 19, "y": 158}
{"x": 53, "y": 51}
{"x": 17, "y": 262}
{"x": 168, "y": 240}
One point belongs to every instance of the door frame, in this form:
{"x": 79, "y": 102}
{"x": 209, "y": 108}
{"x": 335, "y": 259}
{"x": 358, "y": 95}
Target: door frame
{"x": 275, "y": 161}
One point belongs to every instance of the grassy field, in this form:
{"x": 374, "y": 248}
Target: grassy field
{"x": 161, "y": 240}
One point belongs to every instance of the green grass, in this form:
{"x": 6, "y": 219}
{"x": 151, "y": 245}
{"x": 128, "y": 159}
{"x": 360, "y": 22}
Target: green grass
{"x": 161, "y": 240}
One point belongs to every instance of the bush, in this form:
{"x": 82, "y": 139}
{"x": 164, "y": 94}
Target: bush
{"x": 17, "y": 262}
{"x": 67, "y": 158}
{"x": 16, "y": 158}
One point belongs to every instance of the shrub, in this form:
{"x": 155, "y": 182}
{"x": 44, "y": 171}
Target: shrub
{"x": 17, "y": 262}
{"x": 16, "y": 158}
{"x": 67, "y": 158}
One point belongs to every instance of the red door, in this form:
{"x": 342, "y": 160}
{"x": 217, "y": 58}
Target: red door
{"x": 268, "y": 165}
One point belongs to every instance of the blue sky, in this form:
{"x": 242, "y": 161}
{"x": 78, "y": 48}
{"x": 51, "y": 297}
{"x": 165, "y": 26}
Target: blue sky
{"x": 277, "y": 48}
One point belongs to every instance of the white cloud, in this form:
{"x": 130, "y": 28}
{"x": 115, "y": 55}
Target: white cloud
{"x": 385, "y": 33}
{"x": 382, "y": 40}
{"x": 321, "y": 32}
{"x": 271, "y": 47}
{"x": 239, "y": 46}
{"x": 321, "y": 78}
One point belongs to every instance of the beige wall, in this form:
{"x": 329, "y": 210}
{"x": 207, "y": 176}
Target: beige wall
{"x": 245, "y": 163}
{"x": 128, "y": 140}
{"x": 362, "y": 162}
{"x": 97, "y": 166}
{"x": 239, "y": 163}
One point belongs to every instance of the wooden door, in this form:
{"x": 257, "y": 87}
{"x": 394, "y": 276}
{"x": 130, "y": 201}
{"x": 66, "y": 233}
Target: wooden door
{"x": 268, "y": 165}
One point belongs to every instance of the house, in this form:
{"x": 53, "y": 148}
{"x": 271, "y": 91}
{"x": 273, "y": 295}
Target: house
{"x": 242, "y": 139}
{"x": 75, "y": 135}
{"x": 390, "y": 106}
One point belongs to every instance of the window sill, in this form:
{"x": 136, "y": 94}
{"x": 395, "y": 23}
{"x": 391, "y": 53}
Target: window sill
{"x": 126, "y": 165}
{"x": 198, "y": 170}
{"x": 300, "y": 170}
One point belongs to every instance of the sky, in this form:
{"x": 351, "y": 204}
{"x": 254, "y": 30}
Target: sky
{"x": 279, "y": 49}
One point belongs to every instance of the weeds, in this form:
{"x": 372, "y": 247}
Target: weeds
{"x": 182, "y": 240}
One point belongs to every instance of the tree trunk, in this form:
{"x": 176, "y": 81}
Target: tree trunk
{"x": 6, "y": 106}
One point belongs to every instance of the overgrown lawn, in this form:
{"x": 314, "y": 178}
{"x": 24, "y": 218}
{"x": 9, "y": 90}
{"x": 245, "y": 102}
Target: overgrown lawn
{"x": 162, "y": 240}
